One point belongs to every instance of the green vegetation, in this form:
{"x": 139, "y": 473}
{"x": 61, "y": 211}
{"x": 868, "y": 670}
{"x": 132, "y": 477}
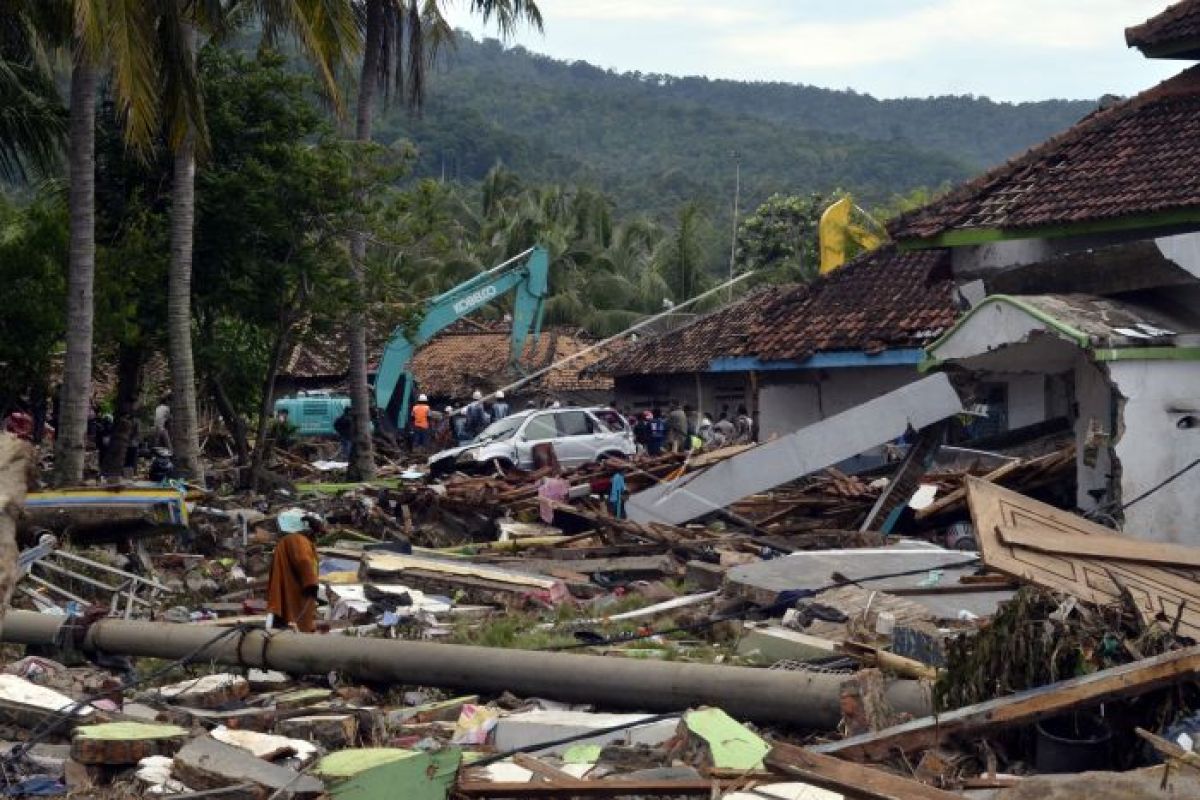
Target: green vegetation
{"x": 655, "y": 142}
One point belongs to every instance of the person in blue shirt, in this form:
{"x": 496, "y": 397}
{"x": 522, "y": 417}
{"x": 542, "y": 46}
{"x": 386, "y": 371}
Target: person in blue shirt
{"x": 658, "y": 433}
{"x": 500, "y": 408}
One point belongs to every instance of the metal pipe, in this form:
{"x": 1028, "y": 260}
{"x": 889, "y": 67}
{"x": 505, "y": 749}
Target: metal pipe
{"x": 806, "y": 699}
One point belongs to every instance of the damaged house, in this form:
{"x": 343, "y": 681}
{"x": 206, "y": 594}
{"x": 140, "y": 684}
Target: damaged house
{"x": 1080, "y": 261}
{"x": 467, "y": 356}
{"x": 794, "y": 355}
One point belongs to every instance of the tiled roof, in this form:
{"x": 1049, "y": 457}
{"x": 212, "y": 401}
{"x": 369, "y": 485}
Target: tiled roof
{"x": 469, "y": 355}
{"x": 883, "y": 299}
{"x": 1137, "y": 157}
{"x": 455, "y": 364}
{"x": 1173, "y": 33}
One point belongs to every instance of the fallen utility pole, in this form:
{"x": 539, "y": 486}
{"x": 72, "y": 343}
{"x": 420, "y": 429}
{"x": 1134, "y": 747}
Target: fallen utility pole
{"x": 806, "y": 699}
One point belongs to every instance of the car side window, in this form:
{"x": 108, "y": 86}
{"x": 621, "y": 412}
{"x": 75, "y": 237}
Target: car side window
{"x": 539, "y": 428}
{"x": 574, "y": 423}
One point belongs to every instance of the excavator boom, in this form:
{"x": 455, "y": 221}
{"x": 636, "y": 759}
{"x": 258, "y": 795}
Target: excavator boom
{"x": 527, "y": 275}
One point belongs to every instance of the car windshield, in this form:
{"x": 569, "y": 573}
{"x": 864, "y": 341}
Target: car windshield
{"x": 501, "y": 429}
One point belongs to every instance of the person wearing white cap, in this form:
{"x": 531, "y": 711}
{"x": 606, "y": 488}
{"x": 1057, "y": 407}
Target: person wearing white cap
{"x": 500, "y": 408}
{"x": 420, "y": 423}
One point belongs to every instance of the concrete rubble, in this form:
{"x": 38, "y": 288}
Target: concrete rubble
{"x": 836, "y": 635}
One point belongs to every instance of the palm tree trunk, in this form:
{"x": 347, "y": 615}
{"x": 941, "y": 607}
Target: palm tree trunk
{"x": 185, "y": 434}
{"x": 185, "y": 426}
{"x": 362, "y": 466}
{"x": 76, "y": 393}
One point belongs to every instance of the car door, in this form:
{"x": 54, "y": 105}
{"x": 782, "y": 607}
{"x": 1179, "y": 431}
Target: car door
{"x": 579, "y": 438}
{"x": 538, "y": 428}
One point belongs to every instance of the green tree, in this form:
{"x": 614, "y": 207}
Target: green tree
{"x": 779, "y": 240}
{"x": 33, "y": 249}
{"x": 33, "y": 122}
{"x": 276, "y": 199}
{"x": 401, "y": 38}
{"x": 328, "y": 37}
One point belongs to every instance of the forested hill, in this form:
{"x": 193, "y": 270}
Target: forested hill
{"x": 655, "y": 141}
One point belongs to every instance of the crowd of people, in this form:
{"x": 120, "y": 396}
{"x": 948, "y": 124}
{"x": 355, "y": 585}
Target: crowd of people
{"x": 682, "y": 428}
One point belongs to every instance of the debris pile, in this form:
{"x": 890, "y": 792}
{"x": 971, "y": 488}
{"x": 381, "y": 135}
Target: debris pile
{"x": 920, "y": 629}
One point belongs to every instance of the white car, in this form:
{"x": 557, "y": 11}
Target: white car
{"x": 579, "y": 435}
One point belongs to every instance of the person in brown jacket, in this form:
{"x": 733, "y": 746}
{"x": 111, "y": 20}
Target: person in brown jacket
{"x": 292, "y": 585}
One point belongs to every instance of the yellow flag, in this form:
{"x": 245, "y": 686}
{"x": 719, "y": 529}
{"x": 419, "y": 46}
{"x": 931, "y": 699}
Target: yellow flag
{"x": 836, "y": 232}
{"x": 832, "y": 233}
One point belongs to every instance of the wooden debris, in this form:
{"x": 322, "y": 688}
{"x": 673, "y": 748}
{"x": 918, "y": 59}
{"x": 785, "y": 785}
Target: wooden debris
{"x": 125, "y": 742}
{"x": 853, "y": 780}
{"x": 208, "y": 691}
{"x": 1002, "y": 518}
{"x": 1125, "y": 681}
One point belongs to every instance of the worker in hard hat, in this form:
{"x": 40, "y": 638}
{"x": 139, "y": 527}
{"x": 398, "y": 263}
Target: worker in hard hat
{"x": 477, "y": 415}
{"x": 500, "y": 408}
{"x": 420, "y": 423}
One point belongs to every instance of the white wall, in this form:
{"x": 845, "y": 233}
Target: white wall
{"x": 1151, "y": 447}
{"x": 1094, "y": 402}
{"x": 789, "y": 401}
{"x": 1026, "y": 400}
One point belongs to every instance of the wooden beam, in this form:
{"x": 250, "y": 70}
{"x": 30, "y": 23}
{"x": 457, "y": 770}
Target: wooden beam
{"x": 543, "y": 770}
{"x": 1125, "y": 681}
{"x": 853, "y": 780}
{"x": 1158, "y": 591}
{"x": 603, "y": 788}
{"x": 1097, "y": 545}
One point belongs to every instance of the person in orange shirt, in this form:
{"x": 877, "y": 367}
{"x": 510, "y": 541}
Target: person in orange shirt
{"x": 292, "y": 585}
{"x": 420, "y": 423}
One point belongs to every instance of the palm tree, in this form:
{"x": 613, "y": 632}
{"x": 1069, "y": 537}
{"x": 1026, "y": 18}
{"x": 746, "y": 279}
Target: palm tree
{"x": 33, "y": 122}
{"x": 326, "y": 31}
{"x": 117, "y": 35}
{"x": 400, "y": 39}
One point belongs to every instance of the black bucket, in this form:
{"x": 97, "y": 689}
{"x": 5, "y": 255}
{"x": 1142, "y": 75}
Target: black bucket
{"x": 1072, "y": 743}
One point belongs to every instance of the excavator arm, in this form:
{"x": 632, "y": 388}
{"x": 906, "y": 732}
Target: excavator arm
{"x": 527, "y": 275}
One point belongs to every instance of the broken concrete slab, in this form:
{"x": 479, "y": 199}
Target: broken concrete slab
{"x": 518, "y": 731}
{"x": 301, "y": 698}
{"x": 443, "y": 711}
{"x": 332, "y": 731}
{"x": 381, "y": 773}
{"x": 125, "y": 742}
{"x": 266, "y": 746}
{"x": 26, "y": 705}
{"x": 154, "y": 772}
{"x": 768, "y": 644}
{"x": 208, "y": 691}
{"x": 809, "y": 449}
{"x": 251, "y": 719}
{"x": 205, "y": 763}
{"x": 765, "y": 580}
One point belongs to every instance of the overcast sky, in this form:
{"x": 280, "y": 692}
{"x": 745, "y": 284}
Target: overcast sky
{"x": 1004, "y": 49}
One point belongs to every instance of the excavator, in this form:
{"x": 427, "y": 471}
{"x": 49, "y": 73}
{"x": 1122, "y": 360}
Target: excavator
{"x": 526, "y": 274}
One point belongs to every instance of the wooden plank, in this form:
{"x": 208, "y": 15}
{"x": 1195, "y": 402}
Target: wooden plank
{"x": 1125, "y": 681}
{"x": 1098, "y": 545}
{"x": 1155, "y": 590}
{"x": 852, "y": 780}
{"x": 605, "y": 788}
{"x": 1169, "y": 749}
{"x": 958, "y": 495}
{"x": 543, "y": 770}
{"x": 656, "y": 564}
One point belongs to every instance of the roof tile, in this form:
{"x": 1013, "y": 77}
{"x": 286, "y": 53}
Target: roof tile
{"x": 1140, "y": 156}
